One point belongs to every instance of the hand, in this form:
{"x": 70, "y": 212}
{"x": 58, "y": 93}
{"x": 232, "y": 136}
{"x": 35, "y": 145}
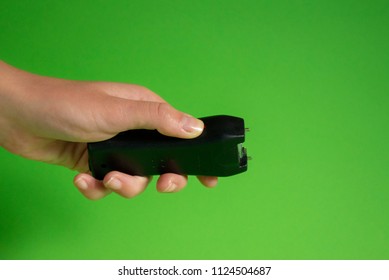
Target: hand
{"x": 51, "y": 120}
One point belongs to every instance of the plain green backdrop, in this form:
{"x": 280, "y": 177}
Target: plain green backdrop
{"x": 311, "y": 80}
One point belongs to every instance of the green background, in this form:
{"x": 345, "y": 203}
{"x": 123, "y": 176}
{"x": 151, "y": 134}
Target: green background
{"x": 311, "y": 80}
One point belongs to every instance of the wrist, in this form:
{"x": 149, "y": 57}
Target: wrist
{"x": 13, "y": 83}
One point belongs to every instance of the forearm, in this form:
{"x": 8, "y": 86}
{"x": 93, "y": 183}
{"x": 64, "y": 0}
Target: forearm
{"x": 13, "y": 95}
{"x": 12, "y": 80}
{"x": 9, "y": 86}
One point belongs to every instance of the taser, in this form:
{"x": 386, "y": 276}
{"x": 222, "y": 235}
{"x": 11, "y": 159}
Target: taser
{"x": 218, "y": 151}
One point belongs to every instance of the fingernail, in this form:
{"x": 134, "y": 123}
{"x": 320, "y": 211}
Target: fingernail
{"x": 114, "y": 184}
{"x": 172, "y": 186}
{"x": 192, "y": 125}
{"x": 81, "y": 184}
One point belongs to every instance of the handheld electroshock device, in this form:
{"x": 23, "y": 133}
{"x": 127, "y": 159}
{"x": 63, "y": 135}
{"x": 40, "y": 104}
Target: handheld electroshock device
{"x": 218, "y": 151}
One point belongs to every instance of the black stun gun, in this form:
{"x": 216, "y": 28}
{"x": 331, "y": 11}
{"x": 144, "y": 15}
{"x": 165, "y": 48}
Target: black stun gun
{"x": 218, "y": 151}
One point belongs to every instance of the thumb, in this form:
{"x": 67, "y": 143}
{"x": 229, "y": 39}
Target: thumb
{"x": 131, "y": 114}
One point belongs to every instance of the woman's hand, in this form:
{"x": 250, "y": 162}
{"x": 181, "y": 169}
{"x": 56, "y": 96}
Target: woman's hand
{"x": 51, "y": 120}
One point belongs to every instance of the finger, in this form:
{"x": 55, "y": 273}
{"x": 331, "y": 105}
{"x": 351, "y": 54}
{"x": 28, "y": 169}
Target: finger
{"x": 171, "y": 182}
{"x": 90, "y": 187}
{"x": 121, "y": 115}
{"x": 125, "y": 185}
{"x": 208, "y": 181}
{"x": 129, "y": 91}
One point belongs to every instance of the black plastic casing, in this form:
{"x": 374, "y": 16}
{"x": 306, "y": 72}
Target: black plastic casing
{"x": 218, "y": 151}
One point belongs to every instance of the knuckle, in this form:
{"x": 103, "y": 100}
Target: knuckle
{"x": 162, "y": 111}
{"x": 165, "y": 118}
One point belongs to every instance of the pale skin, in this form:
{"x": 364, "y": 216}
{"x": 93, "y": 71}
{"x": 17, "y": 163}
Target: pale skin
{"x": 51, "y": 120}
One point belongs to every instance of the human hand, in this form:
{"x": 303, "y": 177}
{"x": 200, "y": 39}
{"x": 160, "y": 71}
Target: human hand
{"x": 51, "y": 120}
